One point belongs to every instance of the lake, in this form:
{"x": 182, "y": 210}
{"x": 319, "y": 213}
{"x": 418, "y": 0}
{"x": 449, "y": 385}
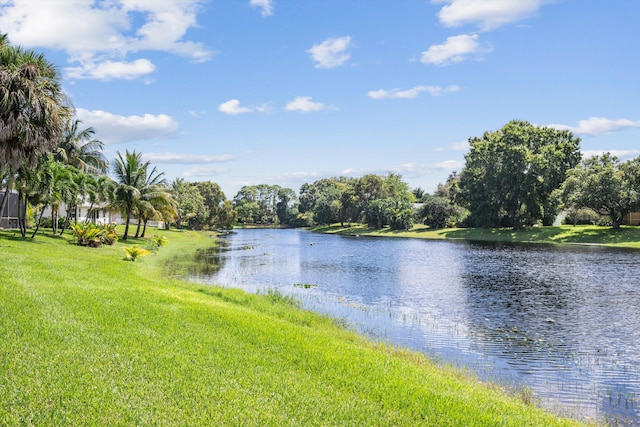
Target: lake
{"x": 560, "y": 321}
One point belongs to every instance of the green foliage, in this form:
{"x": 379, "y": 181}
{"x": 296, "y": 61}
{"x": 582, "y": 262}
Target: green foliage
{"x": 133, "y": 252}
{"x": 510, "y": 174}
{"x": 88, "y": 234}
{"x": 606, "y": 186}
{"x": 94, "y": 235}
{"x": 191, "y": 207}
{"x": 110, "y": 234}
{"x": 439, "y": 212}
{"x": 582, "y": 216}
{"x": 265, "y": 205}
{"x": 227, "y": 216}
{"x": 159, "y": 241}
{"x": 377, "y": 200}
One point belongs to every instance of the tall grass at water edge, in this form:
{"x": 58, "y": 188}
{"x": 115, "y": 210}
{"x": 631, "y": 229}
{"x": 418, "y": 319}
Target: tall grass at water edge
{"x": 89, "y": 339}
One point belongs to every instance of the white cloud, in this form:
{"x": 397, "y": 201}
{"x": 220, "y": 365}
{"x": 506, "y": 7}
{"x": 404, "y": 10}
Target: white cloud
{"x": 100, "y": 37}
{"x": 408, "y": 170}
{"x": 265, "y": 5}
{"x": 233, "y": 108}
{"x": 620, "y": 154}
{"x": 598, "y": 125}
{"x": 167, "y": 157}
{"x": 411, "y": 93}
{"x": 109, "y": 70}
{"x": 487, "y": 14}
{"x": 203, "y": 172}
{"x": 451, "y": 164}
{"x": 456, "y": 146}
{"x": 454, "y": 50}
{"x": 113, "y": 129}
{"x": 304, "y": 104}
{"x": 331, "y": 53}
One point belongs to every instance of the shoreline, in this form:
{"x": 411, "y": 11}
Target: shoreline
{"x": 627, "y": 237}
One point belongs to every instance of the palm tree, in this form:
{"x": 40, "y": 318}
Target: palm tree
{"x": 131, "y": 176}
{"x": 33, "y": 108}
{"x": 46, "y": 186}
{"x": 156, "y": 202}
{"x": 79, "y": 149}
{"x": 101, "y": 192}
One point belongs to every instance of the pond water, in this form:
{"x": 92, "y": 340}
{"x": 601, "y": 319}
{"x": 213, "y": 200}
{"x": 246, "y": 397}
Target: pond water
{"x": 561, "y": 321}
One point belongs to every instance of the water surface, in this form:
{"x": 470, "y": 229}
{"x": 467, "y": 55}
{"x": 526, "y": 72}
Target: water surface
{"x": 563, "y": 321}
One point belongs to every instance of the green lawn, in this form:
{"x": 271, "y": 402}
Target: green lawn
{"x": 583, "y": 234}
{"x": 87, "y": 339}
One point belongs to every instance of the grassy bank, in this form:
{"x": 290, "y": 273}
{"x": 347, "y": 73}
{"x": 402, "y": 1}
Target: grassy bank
{"x": 87, "y": 338}
{"x": 628, "y": 237}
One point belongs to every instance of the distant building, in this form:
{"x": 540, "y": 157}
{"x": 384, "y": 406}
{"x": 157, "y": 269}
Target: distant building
{"x": 10, "y": 211}
{"x": 632, "y": 218}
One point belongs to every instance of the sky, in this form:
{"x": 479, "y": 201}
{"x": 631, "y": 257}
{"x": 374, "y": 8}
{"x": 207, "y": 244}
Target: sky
{"x": 247, "y": 92}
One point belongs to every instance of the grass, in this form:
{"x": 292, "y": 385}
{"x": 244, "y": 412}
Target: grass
{"x": 627, "y": 237}
{"x": 89, "y": 339}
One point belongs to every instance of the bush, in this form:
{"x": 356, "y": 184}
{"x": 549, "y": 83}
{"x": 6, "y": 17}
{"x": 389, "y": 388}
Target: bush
{"x": 584, "y": 216}
{"x": 439, "y": 212}
{"x": 134, "y": 252}
{"x": 88, "y": 234}
{"x": 94, "y": 235}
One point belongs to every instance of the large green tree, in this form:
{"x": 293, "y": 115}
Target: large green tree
{"x": 214, "y": 198}
{"x": 603, "y": 184}
{"x": 191, "y": 204}
{"x": 510, "y": 174}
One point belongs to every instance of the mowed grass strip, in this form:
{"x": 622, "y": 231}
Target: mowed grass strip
{"x": 87, "y": 338}
{"x": 624, "y": 237}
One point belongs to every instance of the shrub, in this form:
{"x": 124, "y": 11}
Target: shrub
{"x": 110, "y": 236}
{"x": 88, "y": 234}
{"x": 94, "y": 235}
{"x": 159, "y": 241}
{"x": 583, "y": 216}
{"x": 134, "y": 252}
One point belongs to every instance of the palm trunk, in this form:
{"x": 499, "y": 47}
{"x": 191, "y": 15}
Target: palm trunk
{"x": 39, "y": 222}
{"x": 89, "y": 212}
{"x": 22, "y": 214}
{"x": 54, "y": 219}
{"x": 126, "y": 227}
{"x": 67, "y": 220}
{"x": 138, "y": 228}
{"x": 144, "y": 228}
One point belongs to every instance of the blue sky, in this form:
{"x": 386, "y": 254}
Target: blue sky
{"x": 244, "y": 92}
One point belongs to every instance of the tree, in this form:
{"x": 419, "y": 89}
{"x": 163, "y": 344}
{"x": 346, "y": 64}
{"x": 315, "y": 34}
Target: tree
{"x": 79, "y": 149}
{"x": 323, "y": 199}
{"x": 227, "y": 216}
{"x": 213, "y": 200}
{"x": 191, "y": 205}
{"x": 33, "y": 109}
{"x": 438, "y": 212}
{"x": 602, "y": 184}
{"x": 131, "y": 174}
{"x": 102, "y": 193}
{"x": 258, "y": 204}
{"x": 286, "y": 205}
{"x": 154, "y": 200}
{"x": 510, "y": 174}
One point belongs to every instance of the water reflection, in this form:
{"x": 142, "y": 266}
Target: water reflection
{"x": 563, "y": 321}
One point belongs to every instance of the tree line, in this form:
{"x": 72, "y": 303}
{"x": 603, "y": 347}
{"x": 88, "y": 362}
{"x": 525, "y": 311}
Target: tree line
{"x": 520, "y": 175}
